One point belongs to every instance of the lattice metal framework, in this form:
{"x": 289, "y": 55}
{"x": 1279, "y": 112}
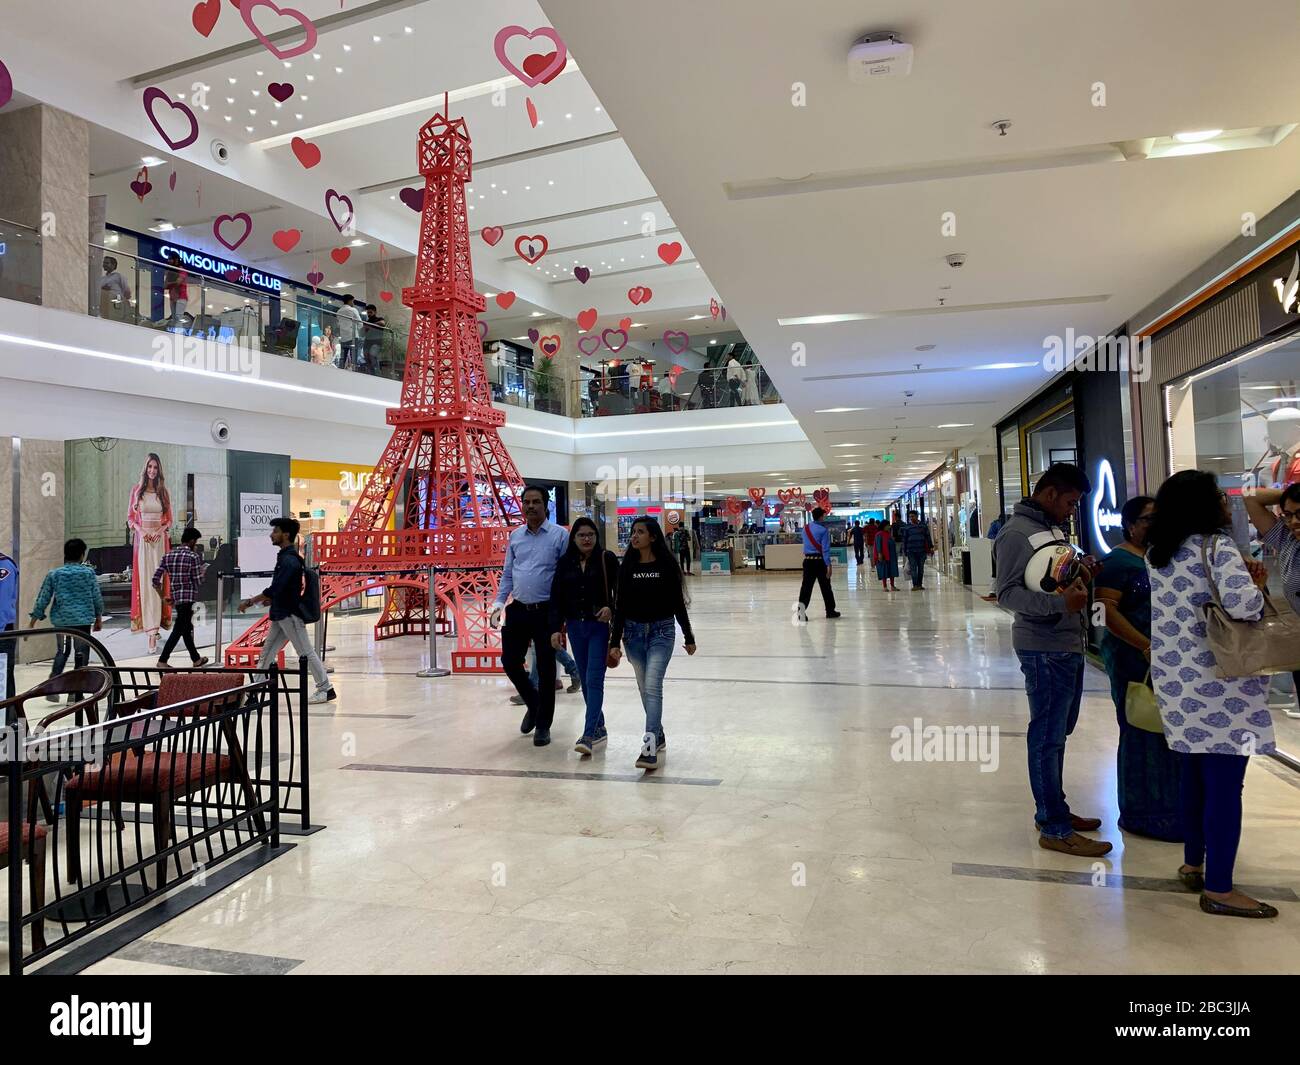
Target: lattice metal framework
{"x": 445, "y": 470}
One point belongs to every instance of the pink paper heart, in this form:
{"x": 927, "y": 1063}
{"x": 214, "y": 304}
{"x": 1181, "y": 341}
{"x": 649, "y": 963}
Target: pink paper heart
{"x": 330, "y": 197}
{"x": 491, "y": 234}
{"x": 6, "y": 85}
{"x": 614, "y": 333}
{"x": 589, "y": 345}
{"x": 221, "y": 220}
{"x": 545, "y": 73}
{"x": 247, "y": 7}
{"x": 151, "y": 97}
{"x": 676, "y": 341}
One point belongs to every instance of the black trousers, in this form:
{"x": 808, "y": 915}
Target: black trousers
{"x": 684, "y": 560}
{"x": 9, "y": 648}
{"x": 860, "y": 551}
{"x": 524, "y": 626}
{"x": 814, "y": 570}
{"x": 182, "y": 628}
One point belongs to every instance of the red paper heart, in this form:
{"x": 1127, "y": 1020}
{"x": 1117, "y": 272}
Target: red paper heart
{"x": 530, "y": 243}
{"x": 535, "y": 66}
{"x": 587, "y": 318}
{"x": 308, "y": 154}
{"x": 784, "y": 495}
{"x": 505, "y": 299}
{"x": 619, "y": 333}
{"x": 625, "y": 324}
{"x": 205, "y": 16}
{"x": 341, "y": 255}
{"x": 822, "y": 496}
{"x": 491, "y": 234}
{"x": 714, "y": 308}
{"x": 639, "y": 294}
{"x": 550, "y": 346}
{"x": 756, "y": 494}
{"x": 387, "y": 297}
{"x": 669, "y": 252}
{"x": 286, "y": 239}
{"x": 532, "y": 111}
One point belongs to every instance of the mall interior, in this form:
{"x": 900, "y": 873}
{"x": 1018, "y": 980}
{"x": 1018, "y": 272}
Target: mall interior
{"x": 377, "y": 266}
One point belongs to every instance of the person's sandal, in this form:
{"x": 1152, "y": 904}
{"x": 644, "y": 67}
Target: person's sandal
{"x": 1193, "y": 880}
{"x": 1222, "y": 909}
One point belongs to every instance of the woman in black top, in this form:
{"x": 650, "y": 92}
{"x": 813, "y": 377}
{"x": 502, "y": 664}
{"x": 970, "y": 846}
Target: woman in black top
{"x": 650, "y": 596}
{"x": 582, "y": 602}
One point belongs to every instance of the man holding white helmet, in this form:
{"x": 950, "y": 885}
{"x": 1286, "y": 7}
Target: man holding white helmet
{"x": 1049, "y": 637}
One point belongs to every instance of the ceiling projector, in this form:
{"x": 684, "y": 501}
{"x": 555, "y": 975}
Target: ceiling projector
{"x": 879, "y": 55}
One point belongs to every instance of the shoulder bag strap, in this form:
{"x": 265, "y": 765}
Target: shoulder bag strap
{"x": 1209, "y": 573}
{"x": 604, "y": 575}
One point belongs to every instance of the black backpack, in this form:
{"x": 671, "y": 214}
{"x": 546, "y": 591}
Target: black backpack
{"x": 309, "y": 604}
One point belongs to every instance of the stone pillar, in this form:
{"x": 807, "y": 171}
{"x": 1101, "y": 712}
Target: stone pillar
{"x": 989, "y": 495}
{"x": 45, "y": 184}
{"x": 401, "y": 274}
{"x": 567, "y": 362}
{"x": 34, "y": 536}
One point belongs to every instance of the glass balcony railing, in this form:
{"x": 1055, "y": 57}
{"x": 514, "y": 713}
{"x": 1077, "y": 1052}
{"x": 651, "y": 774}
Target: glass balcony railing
{"x": 294, "y": 322}
{"x": 20, "y": 262}
{"x": 706, "y": 389}
{"x": 520, "y": 386}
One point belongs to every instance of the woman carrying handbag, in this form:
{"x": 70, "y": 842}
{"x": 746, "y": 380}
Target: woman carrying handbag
{"x": 582, "y": 605}
{"x": 1214, "y": 723}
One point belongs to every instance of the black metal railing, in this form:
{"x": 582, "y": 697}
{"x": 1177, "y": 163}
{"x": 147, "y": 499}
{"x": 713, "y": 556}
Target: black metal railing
{"x": 109, "y": 816}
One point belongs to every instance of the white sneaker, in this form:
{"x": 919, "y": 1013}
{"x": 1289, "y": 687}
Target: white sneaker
{"x": 319, "y": 696}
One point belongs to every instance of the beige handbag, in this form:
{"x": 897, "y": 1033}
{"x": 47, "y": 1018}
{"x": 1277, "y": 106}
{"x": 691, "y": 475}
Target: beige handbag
{"x": 1251, "y": 648}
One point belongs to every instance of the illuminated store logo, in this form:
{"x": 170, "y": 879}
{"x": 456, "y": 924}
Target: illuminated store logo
{"x": 206, "y": 264}
{"x": 1287, "y": 290}
{"x": 353, "y": 482}
{"x": 1104, "y": 514}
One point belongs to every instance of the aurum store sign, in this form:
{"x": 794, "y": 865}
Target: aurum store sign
{"x": 1278, "y": 292}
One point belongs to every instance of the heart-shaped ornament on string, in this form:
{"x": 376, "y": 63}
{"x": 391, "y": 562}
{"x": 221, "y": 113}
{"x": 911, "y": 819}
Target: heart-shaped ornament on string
{"x": 537, "y": 65}
{"x": 491, "y": 235}
{"x": 315, "y": 277}
{"x": 286, "y": 239}
{"x": 531, "y": 108}
{"x": 539, "y": 75}
{"x": 171, "y": 181}
{"x": 587, "y": 318}
{"x": 387, "y": 297}
{"x": 152, "y": 97}
{"x": 822, "y": 497}
{"x": 589, "y": 345}
{"x": 582, "y": 274}
{"x": 625, "y": 324}
{"x": 531, "y": 249}
{"x": 141, "y": 186}
{"x": 6, "y": 85}
{"x": 341, "y": 255}
{"x": 249, "y": 8}
{"x": 714, "y": 308}
{"x": 331, "y": 198}
{"x": 413, "y": 198}
{"x": 676, "y": 341}
{"x": 670, "y": 253}
{"x": 784, "y": 495}
{"x": 756, "y": 494}
{"x": 505, "y": 300}
{"x": 305, "y": 152}
{"x": 225, "y": 220}
{"x": 610, "y": 335}
{"x": 550, "y": 346}
{"x": 482, "y": 329}
{"x": 735, "y": 506}
{"x": 383, "y": 263}
{"x": 639, "y": 294}
{"x": 205, "y": 15}
{"x": 533, "y": 334}
{"x": 279, "y": 90}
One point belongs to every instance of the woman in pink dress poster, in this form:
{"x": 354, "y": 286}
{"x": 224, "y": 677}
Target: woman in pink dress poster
{"x": 149, "y": 515}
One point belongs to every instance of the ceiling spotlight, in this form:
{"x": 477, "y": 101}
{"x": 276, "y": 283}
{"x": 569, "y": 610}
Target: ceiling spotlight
{"x": 338, "y": 70}
{"x": 151, "y": 160}
{"x": 347, "y": 48}
{"x": 1197, "y": 135}
{"x": 311, "y": 77}
{"x": 407, "y": 29}
{"x": 375, "y": 37}
{"x": 316, "y": 56}
{"x": 231, "y": 80}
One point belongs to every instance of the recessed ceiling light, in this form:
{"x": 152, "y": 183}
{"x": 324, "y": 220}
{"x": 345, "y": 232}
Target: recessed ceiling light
{"x": 846, "y": 445}
{"x": 839, "y": 410}
{"x": 535, "y": 314}
{"x": 316, "y": 56}
{"x": 249, "y": 128}
{"x": 407, "y": 29}
{"x": 303, "y": 97}
{"x": 569, "y": 115}
{"x": 231, "y": 80}
{"x": 287, "y": 64}
{"x": 550, "y": 183}
{"x": 274, "y": 122}
{"x": 1197, "y": 135}
{"x": 252, "y": 111}
{"x": 338, "y": 70}
{"x": 956, "y": 425}
{"x": 347, "y": 48}
{"x": 230, "y": 99}
{"x": 311, "y": 77}
{"x": 278, "y": 105}
{"x": 298, "y": 117}
{"x": 1193, "y": 149}
{"x": 151, "y": 160}
{"x": 259, "y": 74}
{"x": 256, "y": 92}
{"x": 924, "y": 347}
{"x": 375, "y": 37}
{"x": 1004, "y": 365}
{"x": 227, "y": 117}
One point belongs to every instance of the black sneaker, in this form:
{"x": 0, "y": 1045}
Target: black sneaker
{"x": 526, "y": 725}
{"x": 834, "y": 614}
{"x": 661, "y": 740}
{"x": 575, "y": 685}
{"x": 584, "y": 744}
{"x": 648, "y": 758}
{"x": 601, "y": 736}
{"x": 541, "y": 737}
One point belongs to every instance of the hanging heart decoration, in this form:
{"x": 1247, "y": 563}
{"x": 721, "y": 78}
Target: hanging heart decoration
{"x": 735, "y": 506}
{"x": 714, "y": 308}
{"x": 589, "y": 345}
{"x": 533, "y": 334}
{"x": 676, "y": 341}
{"x": 625, "y": 324}
{"x": 784, "y": 495}
{"x": 531, "y": 108}
{"x": 822, "y": 497}
{"x": 315, "y": 277}
{"x": 539, "y": 74}
{"x": 674, "y": 373}
{"x": 6, "y": 85}
{"x": 384, "y": 266}
{"x": 204, "y": 16}
{"x": 639, "y": 294}
{"x": 413, "y": 198}
{"x": 587, "y": 318}
{"x": 286, "y": 239}
{"x": 332, "y": 197}
{"x": 617, "y": 334}
{"x": 798, "y": 494}
{"x": 387, "y": 297}
{"x": 538, "y": 63}
{"x": 757, "y": 494}
{"x": 141, "y": 186}
{"x": 151, "y": 97}
{"x": 491, "y": 235}
{"x": 670, "y": 253}
{"x": 222, "y": 220}
{"x": 550, "y": 346}
{"x": 724, "y": 314}
{"x": 171, "y": 181}
{"x": 505, "y": 300}
{"x": 527, "y": 248}
{"x": 307, "y": 154}
{"x": 279, "y": 90}
{"x": 248, "y": 7}
{"x": 582, "y": 274}
{"x": 482, "y": 326}
{"x": 341, "y": 255}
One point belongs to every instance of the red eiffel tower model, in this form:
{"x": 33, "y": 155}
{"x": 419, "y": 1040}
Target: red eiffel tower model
{"x": 445, "y": 469}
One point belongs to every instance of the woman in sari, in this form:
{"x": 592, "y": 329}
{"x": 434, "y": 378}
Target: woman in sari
{"x": 149, "y": 515}
{"x": 884, "y": 555}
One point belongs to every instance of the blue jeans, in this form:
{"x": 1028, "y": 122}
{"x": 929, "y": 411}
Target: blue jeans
{"x": 649, "y": 647}
{"x": 562, "y": 659}
{"x": 1054, "y": 684}
{"x": 916, "y": 559}
{"x": 590, "y": 641}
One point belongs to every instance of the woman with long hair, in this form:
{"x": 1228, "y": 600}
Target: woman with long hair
{"x": 884, "y": 555}
{"x": 651, "y": 593}
{"x": 1214, "y": 723}
{"x": 1146, "y": 770}
{"x": 149, "y": 515}
{"x": 582, "y": 605}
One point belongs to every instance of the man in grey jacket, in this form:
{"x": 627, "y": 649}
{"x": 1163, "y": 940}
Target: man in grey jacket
{"x": 1049, "y": 637}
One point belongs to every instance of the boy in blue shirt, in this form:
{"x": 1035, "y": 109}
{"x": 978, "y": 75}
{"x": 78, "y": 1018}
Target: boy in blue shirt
{"x": 78, "y": 605}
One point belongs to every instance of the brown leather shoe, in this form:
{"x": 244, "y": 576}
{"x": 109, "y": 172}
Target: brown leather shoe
{"x": 1075, "y": 844}
{"x": 1085, "y": 824}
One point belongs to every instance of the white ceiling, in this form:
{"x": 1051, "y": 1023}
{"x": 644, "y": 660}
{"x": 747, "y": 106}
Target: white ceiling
{"x": 712, "y": 106}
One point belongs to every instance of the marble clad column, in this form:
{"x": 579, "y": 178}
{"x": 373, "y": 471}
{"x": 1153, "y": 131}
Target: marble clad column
{"x": 45, "y": 184}
{"x": 39, "y": 526}
{"x": 566, "y": 362}
{"x": 401, "y": 274}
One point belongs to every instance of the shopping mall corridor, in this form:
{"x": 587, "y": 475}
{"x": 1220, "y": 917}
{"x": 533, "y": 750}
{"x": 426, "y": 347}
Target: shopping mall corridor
{"x": 778, "y": 836}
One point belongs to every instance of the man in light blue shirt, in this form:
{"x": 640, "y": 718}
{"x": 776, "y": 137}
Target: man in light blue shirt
{"x": 817, "y": 565}
{"x": 529, "y": 570}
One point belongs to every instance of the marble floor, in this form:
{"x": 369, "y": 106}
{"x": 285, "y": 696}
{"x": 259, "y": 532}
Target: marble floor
{"x": 779, "y": 836}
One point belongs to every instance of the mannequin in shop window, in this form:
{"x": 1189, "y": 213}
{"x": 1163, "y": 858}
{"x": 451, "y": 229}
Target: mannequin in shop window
{"x": 323, "y": 347}
{"x": 149, "y": 516}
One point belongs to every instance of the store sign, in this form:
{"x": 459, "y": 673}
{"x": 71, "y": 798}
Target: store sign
{"x": 201, "y": 263}
{"x": 1278, "y": 293}
{"x": 1105, "y": 515}
{"x": 353, "y": 482}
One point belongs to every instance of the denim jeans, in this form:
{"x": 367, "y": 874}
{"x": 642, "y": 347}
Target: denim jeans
{"x": 649, "y": 647}
{"x": 562, "y": 659}
{"x": 1054, "y": 684}
{"x": 916, "y": 562}
{"x": 65, "y": 646}
{"x": 590, "y": 641}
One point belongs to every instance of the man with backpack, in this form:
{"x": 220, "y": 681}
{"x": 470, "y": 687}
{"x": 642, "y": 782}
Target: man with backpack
{"x": 294, "y": 598}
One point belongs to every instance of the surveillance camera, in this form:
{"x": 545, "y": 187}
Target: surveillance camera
{"x": 956, "y": 260}
{"x": 220, "y": 432}
{"x": 220, "y": 152}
